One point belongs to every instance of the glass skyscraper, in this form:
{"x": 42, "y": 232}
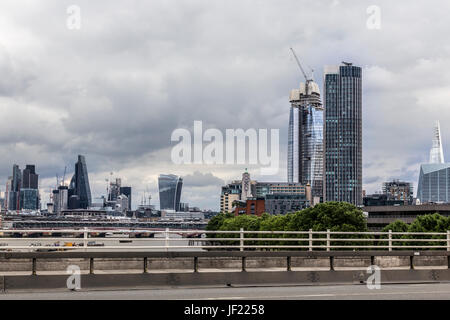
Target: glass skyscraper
{"x": 79, "y": 185}
{"x": 169, "y": 191}
{"x": 434, "y": 183}
{"x": 343, "y": 134}
{"x": 305, "y": 138}
{"x": 434, "y": 177}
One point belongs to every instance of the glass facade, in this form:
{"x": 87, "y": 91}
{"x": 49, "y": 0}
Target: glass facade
{"x": 343, "y": 134}
{"x": 305, "y": 138}
{"x": 169, "y": 191}
{"x": 79, "y": 185}
{"x": 29, "y": 199}
{"x": 434, "y": 183}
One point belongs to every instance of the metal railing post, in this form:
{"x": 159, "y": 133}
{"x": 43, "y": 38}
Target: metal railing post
{"x": 244, "y": 264}
{"x": 411, "y": 262}
{"x": 145, "y": 265}
{"x": 310, "y": 240}
{"x": 91, "y": 265}
{"x": 331, "y": 263}
{"x": 85, "y": 239}
{"x": 448, "y": 240}
{"x": 166, "y": 239}
{"x": 328, "y": 240}
{"x": 33, "y": 267}
{"x": 288, "y": 263}
{"x": 390, "y": 240}
{"x": 195, "y": 264}
{"x": 241, "y": 242}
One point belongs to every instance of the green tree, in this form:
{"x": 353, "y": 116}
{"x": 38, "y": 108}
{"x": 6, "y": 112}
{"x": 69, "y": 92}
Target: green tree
{"x": 396, "y": 226}
{"x": 335, "y": 216}
{"x": 429, "y": 223}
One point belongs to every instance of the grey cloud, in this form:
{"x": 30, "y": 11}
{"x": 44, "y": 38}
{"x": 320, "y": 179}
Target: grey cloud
{"x": 198, "y": 179}
{"x": 117, "y": 88}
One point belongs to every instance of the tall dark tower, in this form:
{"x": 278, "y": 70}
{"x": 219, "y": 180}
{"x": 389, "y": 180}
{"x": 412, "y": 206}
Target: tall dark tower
{"x": 30, "y": 178}
{"x": 343, "y": 134}
{"x": 79, "y": 185}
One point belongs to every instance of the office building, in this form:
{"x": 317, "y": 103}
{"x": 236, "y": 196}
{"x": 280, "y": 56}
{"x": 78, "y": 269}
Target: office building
{"x": 305, "y": 137}
{"x": 230, "y": 193}
{"x": 29, "y": 199}
{"x": 250, "y": 206}
{"x": 114, "y": 189}
{"x": 343, "y": 134}
{"x": 169, "y": 191}
{"x": 434, "y": 177}
{"x": 434, "y": 183}
{"x": 127, "y": 192}
{"x": 29, "y": 193}
{"x": 30, "y": 179}
{"x": 79, "y": 185}
{"x": 285, "y": 203}
{"x": 380, "y": 216}
{"x": 282, "y": 197}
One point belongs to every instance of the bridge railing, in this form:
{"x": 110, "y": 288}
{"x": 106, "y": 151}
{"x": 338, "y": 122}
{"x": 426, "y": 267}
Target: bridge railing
{"x": 241, "y": 240}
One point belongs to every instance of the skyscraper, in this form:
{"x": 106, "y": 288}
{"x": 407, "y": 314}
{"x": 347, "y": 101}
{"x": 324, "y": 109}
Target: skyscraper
{"x": 169, "y": 191}
{"x": 126, "y": 191}
{"x": 13, "y": 189}
{"x": 305, "y": 137}
{"x": 343, "y": 134}
{"x": 434, "y": 177}
{"x": 79, "y": 185}
{"x": 29, "y": 193}
{"x": 436, "y": 153}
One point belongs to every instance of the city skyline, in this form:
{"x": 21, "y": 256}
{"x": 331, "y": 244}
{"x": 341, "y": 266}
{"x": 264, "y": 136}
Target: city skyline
{"x": 61, "y": 89}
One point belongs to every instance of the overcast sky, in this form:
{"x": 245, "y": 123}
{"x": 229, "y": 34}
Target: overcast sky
{"x": 115, "y": 89}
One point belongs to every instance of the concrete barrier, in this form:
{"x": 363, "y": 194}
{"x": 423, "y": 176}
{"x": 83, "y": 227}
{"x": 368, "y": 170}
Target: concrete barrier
{"x": 149, "y": 269}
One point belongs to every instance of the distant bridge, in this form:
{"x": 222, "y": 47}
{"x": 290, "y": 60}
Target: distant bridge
{"x": 104, "y": 224}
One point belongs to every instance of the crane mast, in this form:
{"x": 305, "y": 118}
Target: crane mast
{"x": 308, "y": 80}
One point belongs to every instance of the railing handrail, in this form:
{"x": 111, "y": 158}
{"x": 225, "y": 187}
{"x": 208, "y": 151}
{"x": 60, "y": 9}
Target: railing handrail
{"x": 239, "y": 239}
{"x": 80, "y": 231}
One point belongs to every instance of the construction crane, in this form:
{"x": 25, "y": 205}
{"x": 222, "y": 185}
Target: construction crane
{"x": 300, "y": 66}
{"x": 64, "y": 177}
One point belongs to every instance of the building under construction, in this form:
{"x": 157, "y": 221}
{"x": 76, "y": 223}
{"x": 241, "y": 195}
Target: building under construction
{"x": 305, "y": 137}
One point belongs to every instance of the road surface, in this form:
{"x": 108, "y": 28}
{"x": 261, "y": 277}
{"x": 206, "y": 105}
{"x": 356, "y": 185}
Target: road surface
{"x": 387, "y": 292}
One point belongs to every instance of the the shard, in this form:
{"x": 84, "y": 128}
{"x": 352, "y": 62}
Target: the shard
{"x": 436, "y": 153}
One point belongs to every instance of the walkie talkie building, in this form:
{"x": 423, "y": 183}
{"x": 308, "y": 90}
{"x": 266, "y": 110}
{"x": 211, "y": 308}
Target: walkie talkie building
{"x": 305, "y": 138}
{"x": 169, "y": 191}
